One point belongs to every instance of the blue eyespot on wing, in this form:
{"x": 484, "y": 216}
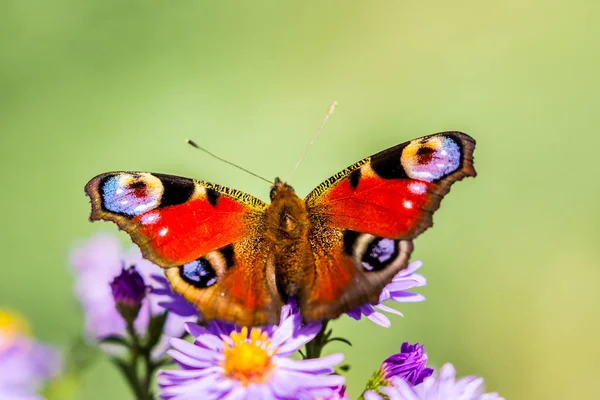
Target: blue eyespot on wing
{"x": 199, "y": 273}
{"x": 131, "y": 194}
{"x": 380, "y": 252}
{"x": 431, "y": 158}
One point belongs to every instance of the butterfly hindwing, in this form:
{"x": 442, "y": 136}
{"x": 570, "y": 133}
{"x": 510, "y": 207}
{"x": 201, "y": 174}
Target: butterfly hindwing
{"x": 207, "y": 236}
{"x": 350, "y": 271}
{"x": 369, "y": 213}
{"x": 235, "y": 283}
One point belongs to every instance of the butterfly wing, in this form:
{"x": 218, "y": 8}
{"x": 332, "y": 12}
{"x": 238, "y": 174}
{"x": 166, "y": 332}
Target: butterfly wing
{"x": 364, "y": 218}
{"x": 208, "y": 237}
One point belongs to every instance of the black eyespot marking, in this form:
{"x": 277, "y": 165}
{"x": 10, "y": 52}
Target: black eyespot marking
{"x": 139, "y": 184}
{"x": 349, "y": 240}
{"x": 424, "y": 151}
{"x": 198, "y": 273}
{"x": 379, "y": 254}
{"x": 425, "y": 155}
{"x": 388, "y": 165}
{"x": 355, "y": 178}
{"x": 228, "y": 255}
{"x": 176, "y": 191}
{"x": 212, "y": 196}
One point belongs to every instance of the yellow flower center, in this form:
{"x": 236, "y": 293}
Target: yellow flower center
{"x": 248, "y": 359}
{"x": 11, "y": 326}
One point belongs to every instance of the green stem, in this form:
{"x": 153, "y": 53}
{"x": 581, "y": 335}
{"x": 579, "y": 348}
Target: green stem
{"x": 315, "y": 346}
{"x": 139, "y": 353}
{"x": 150, "y": 368}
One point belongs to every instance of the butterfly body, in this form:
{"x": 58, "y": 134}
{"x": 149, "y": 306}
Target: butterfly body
{"x": 239, "y": 259}
{"x": 287, "y": 231}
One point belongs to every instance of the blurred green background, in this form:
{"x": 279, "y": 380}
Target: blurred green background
{"x": 512, "y": 264}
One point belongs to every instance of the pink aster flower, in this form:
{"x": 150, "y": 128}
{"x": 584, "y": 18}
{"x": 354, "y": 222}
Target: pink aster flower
{"x": 441, "y": 387}
{"x": 96, "y": 263}
{"x": 396, "y": 291}
{"x": 228, "y": 362}
{"x": 25, "y": 364}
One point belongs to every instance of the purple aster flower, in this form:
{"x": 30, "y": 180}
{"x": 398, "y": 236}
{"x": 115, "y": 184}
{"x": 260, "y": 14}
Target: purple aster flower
{"x": 228, "y": 362}
{"x": 96, "y": 263}
{"x": 25, "y": 364}
{"x": 409, "y": 364}
{"x": 444, "y": 386}
{"x": 171, "y": 301}
{"x": 128, "y": 290}
{"x": 396, "y": 291}
{"x": 339, "y": 393}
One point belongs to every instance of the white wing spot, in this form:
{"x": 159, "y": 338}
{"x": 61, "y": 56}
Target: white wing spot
{"x": 149, "y": 219}
{"x": 417, "y": 188}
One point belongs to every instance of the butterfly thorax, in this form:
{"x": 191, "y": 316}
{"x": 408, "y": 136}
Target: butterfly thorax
{"x": 287, "y": 229}
{"x": 286, "y": 215}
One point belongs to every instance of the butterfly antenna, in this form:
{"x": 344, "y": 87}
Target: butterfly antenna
{"x": 314, "y": 139}
{"x": 193, "y": 144}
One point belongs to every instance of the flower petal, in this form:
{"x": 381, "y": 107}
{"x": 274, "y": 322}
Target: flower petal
{"x": 204, "y": 337}
{"x": 323, "y": 365}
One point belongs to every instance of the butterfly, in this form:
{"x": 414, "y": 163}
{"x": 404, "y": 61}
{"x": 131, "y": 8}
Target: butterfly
{"x": 239, "y": 259}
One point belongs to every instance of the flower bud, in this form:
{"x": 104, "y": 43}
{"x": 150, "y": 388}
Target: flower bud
{"x": 129, "y": 290}
{"x": 410, "y": 364}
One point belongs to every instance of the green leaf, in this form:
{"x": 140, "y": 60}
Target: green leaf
{"x": 344, "y": 367}
{"x": 116, "y": 339}
{"x": 340, "y": 339}
{"x": 155, "y": 329}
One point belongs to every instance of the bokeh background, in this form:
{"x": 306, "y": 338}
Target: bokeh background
{"x": 512, "y": 263}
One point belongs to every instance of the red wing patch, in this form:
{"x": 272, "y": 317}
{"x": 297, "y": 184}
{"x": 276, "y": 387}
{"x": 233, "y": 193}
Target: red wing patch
{"x": 387, "y": 208}
{"x": 179, "y": 234}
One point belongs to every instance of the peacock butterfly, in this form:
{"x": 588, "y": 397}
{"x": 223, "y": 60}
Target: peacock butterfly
{"x": 239, "y": 259}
